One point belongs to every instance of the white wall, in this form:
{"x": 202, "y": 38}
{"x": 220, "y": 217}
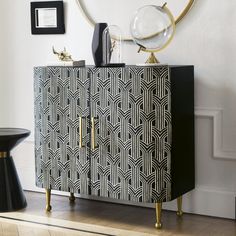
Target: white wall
{"x": 205, "y": 38}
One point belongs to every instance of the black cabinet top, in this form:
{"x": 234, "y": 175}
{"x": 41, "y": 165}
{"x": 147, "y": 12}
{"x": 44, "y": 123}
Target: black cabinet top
{"x": 92, "y": 66}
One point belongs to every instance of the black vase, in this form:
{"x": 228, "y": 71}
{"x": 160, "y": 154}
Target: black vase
{"x": 97, "y": 47}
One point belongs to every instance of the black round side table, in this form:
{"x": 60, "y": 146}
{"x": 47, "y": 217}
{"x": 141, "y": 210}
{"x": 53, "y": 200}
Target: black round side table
{"x": 11, "y": 195}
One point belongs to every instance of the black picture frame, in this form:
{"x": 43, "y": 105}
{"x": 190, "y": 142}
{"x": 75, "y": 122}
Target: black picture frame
{"x": 47, "y": 17}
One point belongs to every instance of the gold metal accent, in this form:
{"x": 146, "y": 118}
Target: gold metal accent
{"x": 81, "y": 132}
{"x": 72, "y": 198}
{"x": 92, "y": 22}
{"x": 62, "y": 55}
{"x": 158, "y": 224}
{"x": 48, "y": 200}
{"x": 152, "y": 59}
{"x": 93, "y": 133}
{"x": 85, "y": 13}
{"x": 3, "y": 154}
{"x": 179, "y": 206}
{"x": 185, "y": 11}
{"x": 164, "y": 4}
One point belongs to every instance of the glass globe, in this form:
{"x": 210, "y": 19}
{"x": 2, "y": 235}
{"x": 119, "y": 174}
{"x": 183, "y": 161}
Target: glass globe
{"x": 152, "y": 27}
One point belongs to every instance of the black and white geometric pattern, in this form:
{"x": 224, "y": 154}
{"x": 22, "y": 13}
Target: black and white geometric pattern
{"x": 132, "y": 112}
{"x": 61, "y": 97}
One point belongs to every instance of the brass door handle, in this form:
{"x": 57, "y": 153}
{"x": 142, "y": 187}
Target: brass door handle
{"x": 93, "y": 133}
{"x": 81, "y": 132}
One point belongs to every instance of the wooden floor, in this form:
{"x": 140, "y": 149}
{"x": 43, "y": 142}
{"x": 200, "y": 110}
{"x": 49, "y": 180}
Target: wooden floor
{"x": 128, "y": 217}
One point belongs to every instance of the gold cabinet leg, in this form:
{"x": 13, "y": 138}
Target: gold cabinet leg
{"x": 48, "y": 200}
{"x": 72, "y": 198}
{"x": 158, "y": 224}
{"x": 179, "y": 206}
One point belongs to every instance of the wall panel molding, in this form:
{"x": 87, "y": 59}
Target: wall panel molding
{"x": 216, "y": 114}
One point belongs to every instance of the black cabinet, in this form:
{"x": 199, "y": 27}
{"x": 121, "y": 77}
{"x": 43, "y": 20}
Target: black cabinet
{"x": 125, "y": 133}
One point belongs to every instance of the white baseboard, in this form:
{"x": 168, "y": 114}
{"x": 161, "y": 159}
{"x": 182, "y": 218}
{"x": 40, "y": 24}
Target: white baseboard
{"x": 208, "y": 201}
{"x": 202, "y": 201}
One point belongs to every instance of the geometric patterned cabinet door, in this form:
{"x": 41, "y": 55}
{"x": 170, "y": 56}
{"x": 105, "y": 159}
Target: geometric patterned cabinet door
{"x": 125, "y": 133}
{"x": 131, "y": 107}
{"x": 61, "y": 98}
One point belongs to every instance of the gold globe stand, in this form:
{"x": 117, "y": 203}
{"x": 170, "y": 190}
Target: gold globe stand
{"x": 152, "y": 59}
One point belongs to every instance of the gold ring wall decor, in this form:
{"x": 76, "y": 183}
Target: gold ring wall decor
{"x": 92, "y": 21}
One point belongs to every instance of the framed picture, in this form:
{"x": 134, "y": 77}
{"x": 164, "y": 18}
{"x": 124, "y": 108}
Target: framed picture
{"x": 47, "y": 17}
